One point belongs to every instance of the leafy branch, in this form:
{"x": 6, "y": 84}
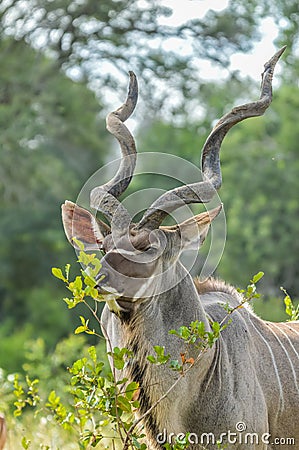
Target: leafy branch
{"x": 248, "y": 294}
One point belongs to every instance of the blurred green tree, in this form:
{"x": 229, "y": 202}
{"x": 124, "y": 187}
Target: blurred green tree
{"x": 99, "y": 41}
{"x": 260, "y": 169}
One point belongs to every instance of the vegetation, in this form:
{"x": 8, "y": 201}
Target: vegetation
{"x": 61, "y": 63}
{"x": 87, "y": 406}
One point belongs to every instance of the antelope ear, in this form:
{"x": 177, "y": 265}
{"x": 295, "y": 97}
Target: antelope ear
{"x": 194, "y": 230}
{"x": 81, "y": 224}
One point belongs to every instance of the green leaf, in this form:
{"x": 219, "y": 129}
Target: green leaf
{"x": 250, "y": 289}
{"x": 175, "y": 365}
{"x": 184, "y": 332}
{"x": 173, "y": 332}
{"x": 80, "y": 329}
{"x": 290, "y": 309}
{"x": 199, "y": 328}
{"x": 85, "y": 258}
{"x": 71, "y": 303}
{"x": 97, "y": 266}
{"x": 124, "y": 404}
{"x": 161, "y": 357}
{"x": 159, "y": 350}
{"x": 25, "y": 443}
{"x": 78, "y": 283}
{"x": 89, "y": 331}
{"x": 151, "y": 359}
{"x": 131, "y": 389}
{"x": 67, "y": 270}
{"x": 93, "y": 293}
{"x": 119, "y": 356}
{"x": 216, "y": 327}
{"x": 78, "y": 243}
{"x": 83, "y": 320}
{"x": 90, "y": 281}
{"x": 137, "y": 444}
{"x": 92, "y": 353}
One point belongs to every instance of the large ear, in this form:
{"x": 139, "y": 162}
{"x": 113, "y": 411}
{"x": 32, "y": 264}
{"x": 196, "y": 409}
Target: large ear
{"x": 81, "y": 224}
{"x": 192, "y": 232}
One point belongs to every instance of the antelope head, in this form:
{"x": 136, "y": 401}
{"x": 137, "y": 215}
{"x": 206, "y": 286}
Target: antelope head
{"x": 142, "y": 258}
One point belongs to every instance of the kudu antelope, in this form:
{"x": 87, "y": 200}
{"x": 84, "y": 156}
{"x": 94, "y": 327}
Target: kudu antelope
{"x": 251, "y": 374}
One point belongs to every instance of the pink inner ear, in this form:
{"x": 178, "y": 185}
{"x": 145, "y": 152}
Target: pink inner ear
{"x": 79, "y": 223}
